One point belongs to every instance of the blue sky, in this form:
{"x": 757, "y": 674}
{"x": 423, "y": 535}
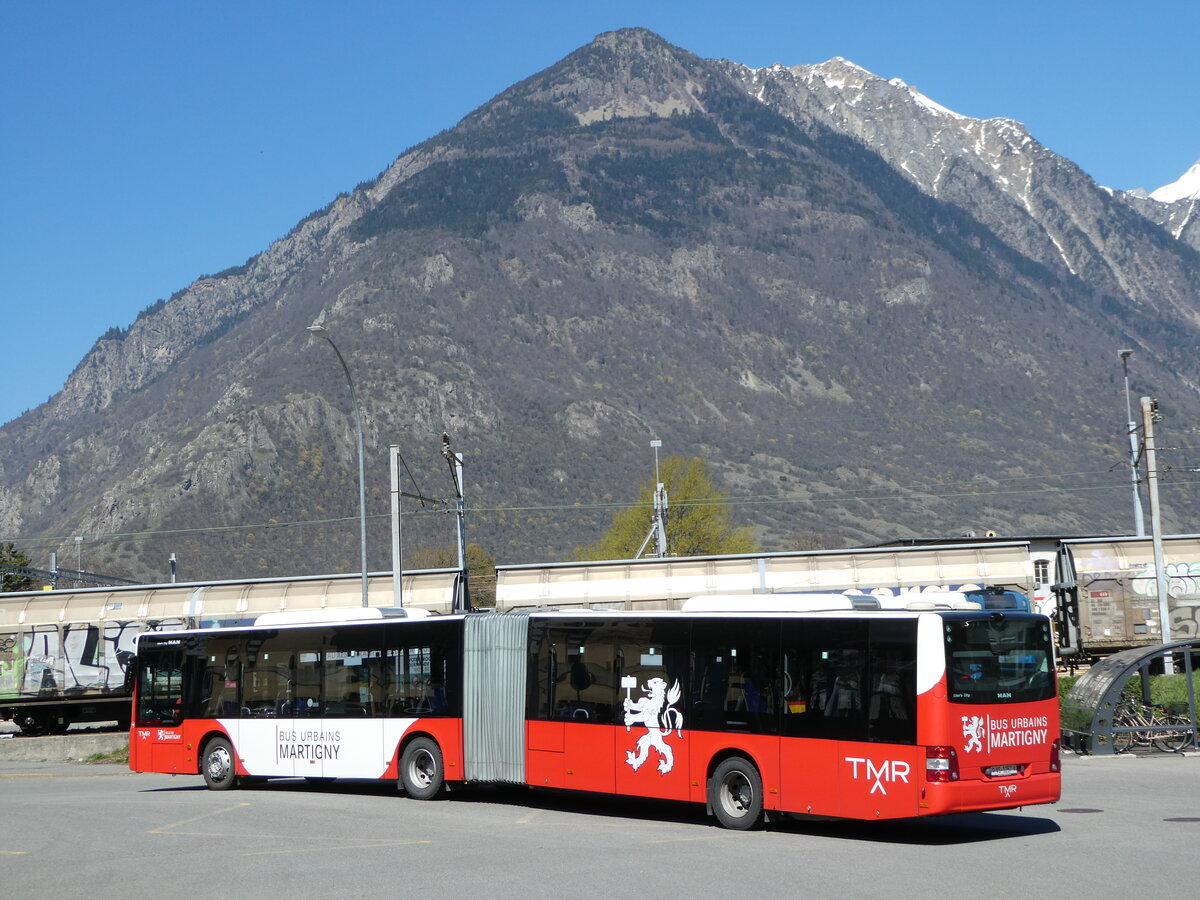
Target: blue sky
{"x": 143, "y": 145}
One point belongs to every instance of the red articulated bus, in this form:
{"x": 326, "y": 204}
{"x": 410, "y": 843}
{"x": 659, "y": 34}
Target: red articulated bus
{"x": 849, "y": 713}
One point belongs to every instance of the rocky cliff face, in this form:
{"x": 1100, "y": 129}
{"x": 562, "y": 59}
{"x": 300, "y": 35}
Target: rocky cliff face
{"x": 875, "y": 318}
{"x": 1039, "y": 203}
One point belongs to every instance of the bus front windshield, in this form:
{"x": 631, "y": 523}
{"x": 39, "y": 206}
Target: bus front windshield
{"x": 999, "y": 658}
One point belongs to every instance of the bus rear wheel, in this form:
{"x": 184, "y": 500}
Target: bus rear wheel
{"x": 421, "y": 771}
{"x": 735, "y": 794}
{"x": 217, "y": 765}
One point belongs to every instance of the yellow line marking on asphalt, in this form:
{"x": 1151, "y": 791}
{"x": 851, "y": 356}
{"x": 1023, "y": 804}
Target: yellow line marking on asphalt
{"x": 163, "y": 829}
{"x": 13, "y": 852}
{"x": 349, "y": 844}
{"x": 358, "y": 845}
{"x": 529, "y": 817}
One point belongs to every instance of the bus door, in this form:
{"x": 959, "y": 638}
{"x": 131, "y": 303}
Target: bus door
{"x": 849, "y": 718}
{"x": 571, "y": 730}
{"x": 156, "y": 740}
{"x": 734, "y": 699}
{"x": 881, "y": 770}
{"x": 159, "y": 741}
{"x": 350, "y": 743}
{"x": 267, "y": 736}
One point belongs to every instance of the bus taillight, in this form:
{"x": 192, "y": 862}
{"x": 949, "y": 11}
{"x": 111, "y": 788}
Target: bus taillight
{"x": 1054, "y": 756}
{"x": 941, "y": 764}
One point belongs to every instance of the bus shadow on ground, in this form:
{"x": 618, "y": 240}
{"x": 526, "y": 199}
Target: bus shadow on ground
{"x": 962, "y": 828}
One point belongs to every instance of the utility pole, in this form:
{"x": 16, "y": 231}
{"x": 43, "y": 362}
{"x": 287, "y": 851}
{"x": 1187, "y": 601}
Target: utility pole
{"x": 397, "y": 569}
{"x": 395, "y": 461}
{"x": 455, "y": 462}
{"x": 1138, "y": 518}
{"x": 1149, "y": 415}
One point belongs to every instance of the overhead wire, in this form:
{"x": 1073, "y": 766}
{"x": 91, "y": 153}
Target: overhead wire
{"x": 876, "y": 494}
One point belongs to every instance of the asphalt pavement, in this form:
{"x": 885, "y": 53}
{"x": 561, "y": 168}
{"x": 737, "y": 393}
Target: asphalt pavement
{"x": 1125, "y": 827}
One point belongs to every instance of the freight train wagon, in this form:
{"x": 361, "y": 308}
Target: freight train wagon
{"x": 63, "y": 654}
{"x": 1107, "y": 593}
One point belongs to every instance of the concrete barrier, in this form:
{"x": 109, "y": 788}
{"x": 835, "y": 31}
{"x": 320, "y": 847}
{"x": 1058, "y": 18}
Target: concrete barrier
{"x": 61, "y": 748}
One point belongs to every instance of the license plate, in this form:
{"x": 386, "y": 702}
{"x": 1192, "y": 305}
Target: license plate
{"x": 1003, "y": 771}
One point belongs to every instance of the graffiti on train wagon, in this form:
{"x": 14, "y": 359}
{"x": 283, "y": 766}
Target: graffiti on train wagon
{"x": 72, "y": 658}
{"x": 1183, "y": 591}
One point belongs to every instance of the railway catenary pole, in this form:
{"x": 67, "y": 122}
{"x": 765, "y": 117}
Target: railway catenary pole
{"x": 455, "y": 461}
{"x": 1139, "y": 522}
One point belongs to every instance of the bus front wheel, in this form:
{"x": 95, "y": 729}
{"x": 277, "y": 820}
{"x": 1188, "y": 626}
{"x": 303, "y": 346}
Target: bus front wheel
{"x": 735, "y": 794}
{"x": 217, "y": 765}
{"x": 421, "y": 771}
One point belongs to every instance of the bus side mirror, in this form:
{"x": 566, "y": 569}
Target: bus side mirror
{"x": 130, "y": 674}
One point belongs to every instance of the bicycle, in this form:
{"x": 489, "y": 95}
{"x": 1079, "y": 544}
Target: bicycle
{"x": 1150, "y": 722}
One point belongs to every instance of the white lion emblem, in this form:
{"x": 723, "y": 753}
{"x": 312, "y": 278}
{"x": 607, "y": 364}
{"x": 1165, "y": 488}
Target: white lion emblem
{"x": 973, "y": 732}
{"x": 658, "y": 713}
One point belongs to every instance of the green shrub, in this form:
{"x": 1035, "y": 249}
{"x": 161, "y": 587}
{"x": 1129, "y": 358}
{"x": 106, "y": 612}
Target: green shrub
{"x": 1166, "y": 690}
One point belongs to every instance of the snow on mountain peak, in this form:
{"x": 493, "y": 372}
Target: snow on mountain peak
{"x": 1186, "y": 188}
{"x": 929, "y": 104}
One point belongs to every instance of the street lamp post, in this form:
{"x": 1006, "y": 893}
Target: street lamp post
{"x": 1131, "y": 428}
{"x": 319, "y": 331}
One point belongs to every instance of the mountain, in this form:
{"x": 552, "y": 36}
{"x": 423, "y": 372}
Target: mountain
{"x": 1186, "y": 188}
{"x": 874, "y": 317}
{"x": 1034, "y": 200}
{"x": 1175, "y": 206}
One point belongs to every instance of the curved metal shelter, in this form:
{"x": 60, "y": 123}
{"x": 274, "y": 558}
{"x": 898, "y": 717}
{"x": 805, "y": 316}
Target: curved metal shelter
{"x": 1089, "y": 708}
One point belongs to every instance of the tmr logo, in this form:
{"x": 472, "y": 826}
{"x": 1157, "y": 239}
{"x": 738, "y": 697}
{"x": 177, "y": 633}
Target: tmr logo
{"x": 889, "y": 771}
{"x": 1007, "y": 790}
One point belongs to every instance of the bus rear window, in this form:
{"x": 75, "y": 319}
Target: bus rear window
{"x": 999, "y": 658}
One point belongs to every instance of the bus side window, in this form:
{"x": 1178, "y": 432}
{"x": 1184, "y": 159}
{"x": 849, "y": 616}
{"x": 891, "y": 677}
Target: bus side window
{"x": 307, "y": 684}
{"x": 830, "y": 657}
{"x": 842, "y": 680}
{"x": 584, "y": 672}
{"x": 266, "y": 678}
{"x": 347, "y": 681}
{"x": 797, "y": 678}
{"x": 219, "y": 694}
{"x": 735, "y": 679}
{"x": 891, "y": 710}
